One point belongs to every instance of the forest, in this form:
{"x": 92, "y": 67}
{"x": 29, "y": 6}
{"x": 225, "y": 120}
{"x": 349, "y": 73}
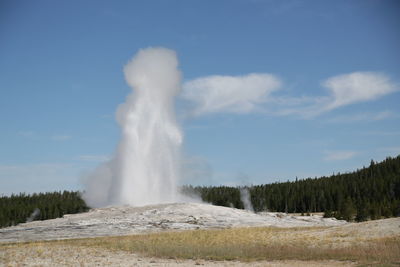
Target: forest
{"x": 21, "y": 208}
{"x": 366, "y": 194}
{"x": 369, "y": 193}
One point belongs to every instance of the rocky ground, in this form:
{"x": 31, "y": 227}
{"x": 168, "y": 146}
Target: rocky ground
{"x": 127, "y": 220}
{"x": 114, "y": 221}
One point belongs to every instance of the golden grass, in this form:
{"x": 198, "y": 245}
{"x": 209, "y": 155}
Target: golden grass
{"x": 248, "y": 244}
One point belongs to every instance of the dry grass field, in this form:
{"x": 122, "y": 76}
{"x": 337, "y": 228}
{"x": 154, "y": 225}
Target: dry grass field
{"x": 368, "y": 243}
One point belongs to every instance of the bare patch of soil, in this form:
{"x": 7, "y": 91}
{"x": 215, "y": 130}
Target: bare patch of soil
{"x": 63, "y": 255}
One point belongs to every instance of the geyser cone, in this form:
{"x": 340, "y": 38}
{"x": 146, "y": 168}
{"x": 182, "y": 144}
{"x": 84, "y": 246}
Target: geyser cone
{"x": 146, "y": 165}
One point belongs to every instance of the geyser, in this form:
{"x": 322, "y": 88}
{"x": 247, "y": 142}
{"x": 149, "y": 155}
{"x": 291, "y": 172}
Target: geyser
{"x": 146, "y": 167}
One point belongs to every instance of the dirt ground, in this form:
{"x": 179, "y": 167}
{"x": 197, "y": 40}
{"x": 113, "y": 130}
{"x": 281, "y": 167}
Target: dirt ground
{"x": 64, "y": 255}
{"x": 14, "y": 252}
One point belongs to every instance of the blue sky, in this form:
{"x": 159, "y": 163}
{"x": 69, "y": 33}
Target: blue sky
{"x": 328, "y": 100}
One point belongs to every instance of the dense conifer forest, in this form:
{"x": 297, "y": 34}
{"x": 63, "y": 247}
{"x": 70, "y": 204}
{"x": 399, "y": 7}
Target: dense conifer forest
{"x": 20, "y": 208}
{"x": 369, "y": 193}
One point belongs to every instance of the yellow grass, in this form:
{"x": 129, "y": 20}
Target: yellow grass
{"x": 249, "y": 244}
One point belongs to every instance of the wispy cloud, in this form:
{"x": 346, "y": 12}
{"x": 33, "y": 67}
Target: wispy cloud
{"x": 94, "y": 158}
{"x": 394, "y": 150}
{"x": 344, "y": 90}
{"x": 39, "y": 177}
{"x": 257, "y": 93}
{"x": 366, "y": 116}
{"x": 49, "y": 167}
{"x": 230, "y": 94}
{"x": 356, "y": 87}
{"x": 339, "y": 155}
{"x": 382, "y": 133}
{"x": 61, "y": 137}
{"x": 27, "y": 134}
{"x": 304, "y": 109}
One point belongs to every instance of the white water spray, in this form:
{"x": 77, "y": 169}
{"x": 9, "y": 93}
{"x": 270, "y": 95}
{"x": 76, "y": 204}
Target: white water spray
{"x": 146, "y": 166}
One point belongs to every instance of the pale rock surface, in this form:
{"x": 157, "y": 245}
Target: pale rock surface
{"x": 128, "y": 220}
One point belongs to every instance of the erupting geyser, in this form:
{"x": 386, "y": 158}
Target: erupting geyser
{"x": 146, "y": 166}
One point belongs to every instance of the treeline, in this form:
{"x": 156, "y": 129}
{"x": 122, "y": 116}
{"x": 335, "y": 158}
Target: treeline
{"x": 369, "y": 193}
{"x": 20, "y": 208}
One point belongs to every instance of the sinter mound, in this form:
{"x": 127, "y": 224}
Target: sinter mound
{"x": 127, "y": 220}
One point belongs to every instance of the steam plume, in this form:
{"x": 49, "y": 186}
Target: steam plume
{"x": 246, "y": 199}
{"x": 146, "y": 166}
{"x": 33, "y": 215}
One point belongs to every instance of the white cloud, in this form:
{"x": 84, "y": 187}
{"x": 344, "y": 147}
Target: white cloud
{"x": 339, "y": 155}
{"x": 357, "y": 87}
{"x": 94, "y": 158}
{"x": 253, "y": 93}
{"x": 343, "y": 90}
{"x": 230, "y": 94}
{"x": 61, "y": 137}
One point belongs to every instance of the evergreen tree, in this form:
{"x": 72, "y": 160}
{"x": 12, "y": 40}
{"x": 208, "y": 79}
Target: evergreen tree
{"x": 368, "y": 193}
{"x": 17, "y": 209}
